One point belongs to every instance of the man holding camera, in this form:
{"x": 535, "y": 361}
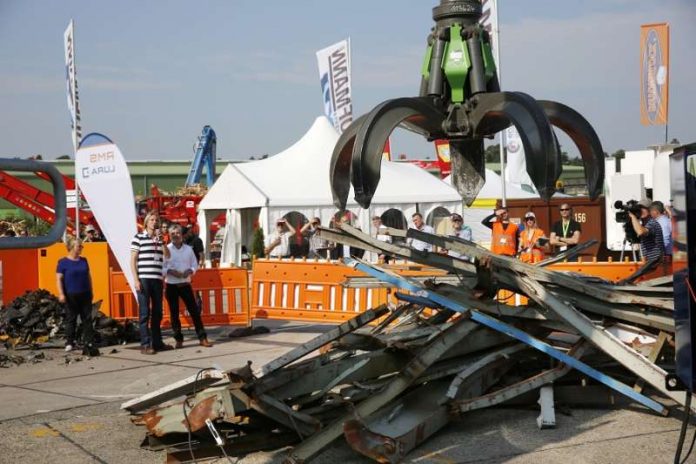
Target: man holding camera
{"x": 505, "y": 238}
{"x": 659, "y": 213}
{"x": 649, "y": 232}
{"x": 279, "y": 242}
{"x": 318, "y": 247}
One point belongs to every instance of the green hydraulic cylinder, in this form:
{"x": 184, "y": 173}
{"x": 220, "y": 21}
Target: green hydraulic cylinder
{"x": 456, "y": 64}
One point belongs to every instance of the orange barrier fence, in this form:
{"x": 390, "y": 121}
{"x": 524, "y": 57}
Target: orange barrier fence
{"x": 609, "y": 270}
{"x": 225, "y": 295}
{"x": 311, "y": 290}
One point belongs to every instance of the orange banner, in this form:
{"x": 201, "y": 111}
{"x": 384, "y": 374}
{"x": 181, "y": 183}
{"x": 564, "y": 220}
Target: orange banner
{"x": 654, "y": 74}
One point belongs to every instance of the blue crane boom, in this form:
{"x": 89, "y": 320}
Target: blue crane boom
{"x": 205, "y": 156}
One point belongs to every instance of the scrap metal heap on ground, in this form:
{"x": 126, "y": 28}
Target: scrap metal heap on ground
{"x": 392, "y": 376}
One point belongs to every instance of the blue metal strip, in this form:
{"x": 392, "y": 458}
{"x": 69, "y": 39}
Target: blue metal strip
{"x": 424, "y": 294}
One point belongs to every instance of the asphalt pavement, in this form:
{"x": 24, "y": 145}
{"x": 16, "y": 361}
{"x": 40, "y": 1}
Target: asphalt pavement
{"x": 66, "y": 408}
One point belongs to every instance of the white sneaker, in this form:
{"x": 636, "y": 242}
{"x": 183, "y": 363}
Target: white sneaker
{"x": 68, "y": 348}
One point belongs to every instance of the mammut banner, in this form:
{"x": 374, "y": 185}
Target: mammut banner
{"x": 654, "y": 74}
{"x": 334, "y": 75}
{"x": 106, "y": 184}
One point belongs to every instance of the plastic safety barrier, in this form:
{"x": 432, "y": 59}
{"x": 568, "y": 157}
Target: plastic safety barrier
{"x": 224, "y": 293}
{"x": 311, "y": 290}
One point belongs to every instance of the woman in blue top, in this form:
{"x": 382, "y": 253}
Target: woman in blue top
{"x": 75, "y": 289}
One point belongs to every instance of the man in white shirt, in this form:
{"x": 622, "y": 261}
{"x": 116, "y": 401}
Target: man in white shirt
{"x": 279, "y": 242}
{"x": 178, "y": 269}
{"x": 459, "y": 230}
{"x": 418, "y": 224}
{"x": 381, "y": 233}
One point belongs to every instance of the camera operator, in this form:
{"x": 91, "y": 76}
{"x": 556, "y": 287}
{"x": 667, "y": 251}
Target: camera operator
{"x": 658, "y": 212}
{"x": 649, "y": 232}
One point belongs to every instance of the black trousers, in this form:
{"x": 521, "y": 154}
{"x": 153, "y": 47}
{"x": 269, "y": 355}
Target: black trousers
{"x": 79, "y": 304}
{"x": 185, "y": 292}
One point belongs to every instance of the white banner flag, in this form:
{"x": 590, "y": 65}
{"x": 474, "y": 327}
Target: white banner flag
{"x": 334, "y": 75}
{"x": 516, "y": 169}
{"x": 106, "y": 184}
{"x": 71, "y": 80}
{"x": 489, "y": 21}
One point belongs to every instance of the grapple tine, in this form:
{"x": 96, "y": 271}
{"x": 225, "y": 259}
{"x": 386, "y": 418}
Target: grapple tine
{"x": 494, "y": 112}
{"x": 585, "y": 138}
{"x": 418, "y": 113}
{"x": 339, "y": 173}
{"x": 468, "y": 168}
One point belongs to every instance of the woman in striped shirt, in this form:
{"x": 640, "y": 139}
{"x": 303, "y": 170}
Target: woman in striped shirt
{"x": 148, "y": 252}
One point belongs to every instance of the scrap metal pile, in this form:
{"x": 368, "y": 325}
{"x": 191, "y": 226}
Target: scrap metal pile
{"x": 37, "y": 317}
{"x": 392, "y": 376}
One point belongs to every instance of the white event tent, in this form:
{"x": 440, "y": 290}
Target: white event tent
{"x": 297, "y": 180}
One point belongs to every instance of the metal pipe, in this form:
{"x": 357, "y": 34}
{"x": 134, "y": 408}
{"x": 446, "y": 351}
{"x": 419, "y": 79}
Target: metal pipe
{"x": 56, "y": 231}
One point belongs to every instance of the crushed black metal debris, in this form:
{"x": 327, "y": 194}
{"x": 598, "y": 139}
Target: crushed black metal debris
{"x": 393, "y": 376}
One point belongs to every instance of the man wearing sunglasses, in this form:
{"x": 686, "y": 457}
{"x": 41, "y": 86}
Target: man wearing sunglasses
{"x": 565, "y": 234}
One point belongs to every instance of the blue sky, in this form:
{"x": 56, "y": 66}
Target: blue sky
{"x": 152, "y": 73}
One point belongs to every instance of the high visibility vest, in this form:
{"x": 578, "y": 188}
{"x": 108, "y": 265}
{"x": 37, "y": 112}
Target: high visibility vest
{"x": 531, "y": 253}
{"x": 504, "y": 240}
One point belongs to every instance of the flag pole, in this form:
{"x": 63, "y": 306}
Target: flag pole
{"x": 496, "y": 34}
{"x": 74, "y": 107}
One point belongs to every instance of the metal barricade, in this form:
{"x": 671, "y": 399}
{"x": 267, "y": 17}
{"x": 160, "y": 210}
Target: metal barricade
{"x": 224, "y": 293}
{"x": 312, "y": 290}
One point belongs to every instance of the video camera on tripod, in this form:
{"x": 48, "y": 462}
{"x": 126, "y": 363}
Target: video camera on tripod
{"x": 631, "y": 206}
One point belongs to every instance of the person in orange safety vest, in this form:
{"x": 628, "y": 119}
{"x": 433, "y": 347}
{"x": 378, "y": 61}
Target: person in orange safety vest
{"x": 505, "y": 235}
{"x": 533, "y": 241}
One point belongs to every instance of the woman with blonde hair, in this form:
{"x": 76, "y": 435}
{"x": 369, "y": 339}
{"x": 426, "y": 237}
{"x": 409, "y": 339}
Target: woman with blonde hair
{"x": 148, "y": 252}
{"x": 533, "y": 241}
{"x": 75, "y": 289}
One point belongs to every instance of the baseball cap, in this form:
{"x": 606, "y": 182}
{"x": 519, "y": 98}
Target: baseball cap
{"x": 644, "y": 204}
{"x": 456, "y": 217}
{"x": 529, "y": 214}
{"x": 90, "y": 228}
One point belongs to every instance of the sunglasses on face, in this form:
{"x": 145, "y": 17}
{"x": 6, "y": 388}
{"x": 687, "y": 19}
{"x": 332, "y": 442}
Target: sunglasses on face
{"x": 530, "y": 219}
{"x": 565, "y": 209}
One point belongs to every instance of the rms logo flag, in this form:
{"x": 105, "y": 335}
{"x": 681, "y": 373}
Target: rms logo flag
{"x": 654, "y": 74}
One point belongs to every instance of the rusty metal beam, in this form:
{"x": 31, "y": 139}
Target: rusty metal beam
{"x": 427, "y": 356}
{"x": 605, "y": 341}
{"x": 537, "y": 273}
{"x": 321, "y": 340}
{"x": 507, "y": 329}
{"x": 175, "y": 390}
{"x": 393, "y": 431}
{"x": 519, "y": 388}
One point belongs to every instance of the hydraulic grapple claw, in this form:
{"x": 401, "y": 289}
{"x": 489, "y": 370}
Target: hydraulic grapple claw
{"x": 339, "y": 174}
{"x": 418, "y": 114}
{"x": 494, "y": 112}
{"x": 460, "y": 101}
{"x": 585, "y": 138}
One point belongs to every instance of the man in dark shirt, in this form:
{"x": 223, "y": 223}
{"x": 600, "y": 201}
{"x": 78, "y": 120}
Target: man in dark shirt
{"x": 565, "y": 234}
{"x": 652, "y": 244}
{"x": 195, "y": 242}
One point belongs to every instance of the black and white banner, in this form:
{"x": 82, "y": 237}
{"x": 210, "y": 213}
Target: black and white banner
{"x": 73, "y": 98}
{"x": 334, "y": 74}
